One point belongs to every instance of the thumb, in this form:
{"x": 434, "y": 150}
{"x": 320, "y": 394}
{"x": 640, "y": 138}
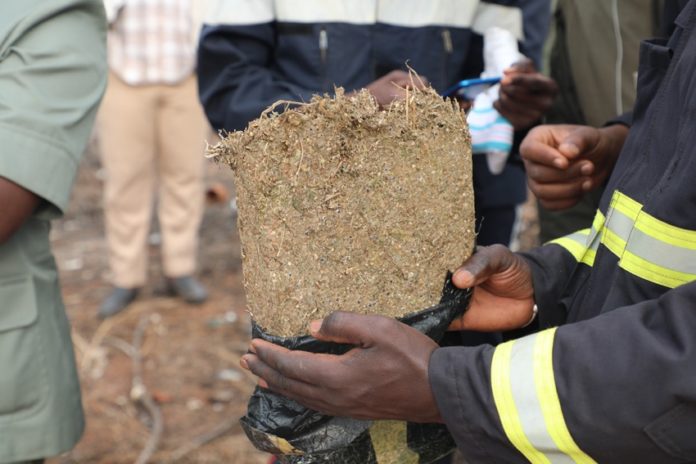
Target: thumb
{"x": 485, "y": 262}
{"x": 345, "y": 327}
{"x": 579, "y": 142}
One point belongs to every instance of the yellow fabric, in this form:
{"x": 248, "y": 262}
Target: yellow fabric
{"x": 530, "y": 408}
{"x": 545, "y": 381}
{"x": 505, "y": 404}
{"x": 629, "y": 260}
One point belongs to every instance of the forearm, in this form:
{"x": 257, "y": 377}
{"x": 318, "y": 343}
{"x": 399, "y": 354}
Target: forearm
{"x": 626, "y": 374}
{"x": 17, "y": 205}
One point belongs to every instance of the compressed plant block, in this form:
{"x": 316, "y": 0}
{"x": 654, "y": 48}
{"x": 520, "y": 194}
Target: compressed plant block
{"x": 343, "y": 206}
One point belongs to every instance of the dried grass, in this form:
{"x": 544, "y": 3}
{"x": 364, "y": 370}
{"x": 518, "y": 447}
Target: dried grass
{"x": 346, "y": 207}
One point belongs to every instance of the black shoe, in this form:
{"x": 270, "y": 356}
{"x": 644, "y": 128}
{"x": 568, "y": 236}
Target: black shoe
{"x": 188, "y": 288}
{"x": 117, "y": 301}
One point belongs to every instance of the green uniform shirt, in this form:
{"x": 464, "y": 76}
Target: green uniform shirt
{"x": 52, "y": 76}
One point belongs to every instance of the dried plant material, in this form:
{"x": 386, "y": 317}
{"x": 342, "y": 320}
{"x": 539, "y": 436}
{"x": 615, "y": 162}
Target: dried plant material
{"x": 346, "y": 207}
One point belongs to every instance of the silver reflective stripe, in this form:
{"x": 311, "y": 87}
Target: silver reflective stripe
{"x": 619, "y": 224}
{"x": 527, "y": 401}
{"x": 647, "y": 247}
{"x": 662, "y": 254}
{"x": 523, "y": 384}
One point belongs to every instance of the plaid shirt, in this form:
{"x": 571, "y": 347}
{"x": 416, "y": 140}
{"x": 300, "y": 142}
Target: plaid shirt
{"x": 150, "y": 42}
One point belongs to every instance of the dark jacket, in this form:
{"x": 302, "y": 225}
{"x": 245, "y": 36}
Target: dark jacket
{"x": 253, "y": 53}
{"x": 616, "y": 381}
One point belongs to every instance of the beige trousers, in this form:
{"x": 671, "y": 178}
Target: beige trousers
{"x": 152, "y": 138}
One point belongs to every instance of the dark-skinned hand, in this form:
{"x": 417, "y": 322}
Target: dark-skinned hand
{"x": 393, "y": 85}
{"x": 564, "y": 162}
{"x": 503, "y": 296}
{"x": 384, "y": 377}
{"x": 525, "y": 95}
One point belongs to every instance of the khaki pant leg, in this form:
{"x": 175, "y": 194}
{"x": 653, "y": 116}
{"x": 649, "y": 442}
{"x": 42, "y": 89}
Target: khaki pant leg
{"x": 182, "y": 130}
{"x": 126, "y": 126}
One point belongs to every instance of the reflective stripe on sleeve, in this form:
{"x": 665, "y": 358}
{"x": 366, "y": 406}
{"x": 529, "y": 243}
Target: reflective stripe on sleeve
{"x": 647, "y": 247}
{"x": 525, "y": 395}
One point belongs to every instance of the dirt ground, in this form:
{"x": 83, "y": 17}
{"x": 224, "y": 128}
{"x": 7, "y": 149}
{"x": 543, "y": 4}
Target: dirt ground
{"x": 189, "y": 354}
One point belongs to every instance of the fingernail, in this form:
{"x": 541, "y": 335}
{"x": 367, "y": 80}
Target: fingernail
{"x": 559, "y": 163}
{"x": 243, "y": 362}
{"x": 587, "y": 185}
{"x": 462, "y": 276}
{"x": 569, "y": 148}
{"x": 252, "y": 348}
{"x": 586, "y": 169}
{"x": 263, "y": 384}
{"x": 315, "y": 326}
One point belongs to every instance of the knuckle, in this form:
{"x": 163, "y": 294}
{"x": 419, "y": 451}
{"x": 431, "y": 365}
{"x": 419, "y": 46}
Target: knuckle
{"x": 332, "y": 322}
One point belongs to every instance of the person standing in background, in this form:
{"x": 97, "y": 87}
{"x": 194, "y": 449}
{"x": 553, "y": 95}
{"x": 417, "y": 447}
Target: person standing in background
{"x": 152, "y": 132}
{"x": 253, "y": 53}
{"x": 52, "y": 77}
{"x": 596, "y": 84}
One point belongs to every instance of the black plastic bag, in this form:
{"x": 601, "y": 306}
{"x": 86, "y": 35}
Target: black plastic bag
{"x": 298, "y": 435}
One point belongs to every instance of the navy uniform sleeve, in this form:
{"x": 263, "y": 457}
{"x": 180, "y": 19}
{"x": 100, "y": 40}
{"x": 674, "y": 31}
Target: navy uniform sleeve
{"x": 618, "y": 388}
{"x": 237, "y": 79}
{"x": 52, "y": 77}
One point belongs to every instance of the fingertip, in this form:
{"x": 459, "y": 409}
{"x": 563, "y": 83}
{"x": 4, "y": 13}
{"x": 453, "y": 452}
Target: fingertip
{"x": 262, "y": 383}
{"x": 315, "y": 327}
{"x": 586, "y": 169}
{"x": 560, "y": 163}
{"x": 587, "y": 185}
{"x": 252, "y": 346}
{"x": 462, "y": 278}
{"x": 243, "y": 362}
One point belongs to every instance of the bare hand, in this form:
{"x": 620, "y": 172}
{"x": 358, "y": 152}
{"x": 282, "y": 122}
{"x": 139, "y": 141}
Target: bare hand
{"x": 525, "y": 95}
{"x": 503, "y": 297}
{"x": 564, "y": 162}
{"x": 384, "y": 377}
{"x": 392, "y": 86}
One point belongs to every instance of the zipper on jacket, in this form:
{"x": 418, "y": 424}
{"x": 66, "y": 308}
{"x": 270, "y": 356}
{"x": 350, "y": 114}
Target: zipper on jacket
{"x": 447, "y": 41}
{"x": 323, "y": 53}
{"x": 449, "y": 49}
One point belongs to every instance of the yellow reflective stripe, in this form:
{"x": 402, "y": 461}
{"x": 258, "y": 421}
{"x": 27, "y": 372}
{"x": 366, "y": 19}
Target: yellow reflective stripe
{"x": 573, "y": 247}
{"x": 576, "y": 245}
{"x": 626, "y": 205}
{"x": 612, "y": 241}
{"x": 653, "y": 273}
{"x": 667, "y": 233}
{"x": 589, "y": 257}
{"x": 647, "y": 247}
{"x": 598, "y": 221}
{"x": 505, "y": 404}
{"x": 545, "y": 381}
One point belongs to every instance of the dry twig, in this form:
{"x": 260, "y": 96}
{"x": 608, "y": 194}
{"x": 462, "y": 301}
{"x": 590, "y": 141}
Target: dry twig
{"x": 205, "y": 438}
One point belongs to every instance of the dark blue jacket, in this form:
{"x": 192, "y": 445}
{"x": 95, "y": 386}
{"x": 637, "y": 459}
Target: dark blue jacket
{"x": 253, "y": 53}
{"x": 616, "y": 382}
